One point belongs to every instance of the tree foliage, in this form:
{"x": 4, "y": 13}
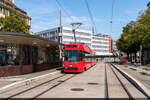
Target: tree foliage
{"x": 135, "y": 33}
{"x": 14, "y": 23}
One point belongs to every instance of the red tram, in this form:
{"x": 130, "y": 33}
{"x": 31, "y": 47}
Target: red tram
{"x": 78, "y": 58}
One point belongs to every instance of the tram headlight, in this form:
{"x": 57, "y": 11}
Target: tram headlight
{"x": 70, "y": 65}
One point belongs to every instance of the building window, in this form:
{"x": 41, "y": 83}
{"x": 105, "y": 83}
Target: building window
{"x": 83, "y": 33}
{"x": 67, "y": 31}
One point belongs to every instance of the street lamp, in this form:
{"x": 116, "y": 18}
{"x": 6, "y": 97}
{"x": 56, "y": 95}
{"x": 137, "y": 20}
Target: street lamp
{"x": 74, "y": 27}
{"x": 140, "y": 55}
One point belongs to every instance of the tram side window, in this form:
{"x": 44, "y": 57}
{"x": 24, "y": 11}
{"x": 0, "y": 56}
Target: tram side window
{"x": 87, "y": 56}
{"x": 81, "y": 55}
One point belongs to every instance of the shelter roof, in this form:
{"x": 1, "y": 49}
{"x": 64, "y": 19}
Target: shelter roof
{"x": 25, "y": 39}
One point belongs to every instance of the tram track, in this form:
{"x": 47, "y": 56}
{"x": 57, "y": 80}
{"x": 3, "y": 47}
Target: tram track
{"x": 33, "y": 87}
{"x": 106, "y": 84}
{"x": 115, "y": 84}
{"x": 138, "y": 85}
{"x": 36, "y": 87}
{"x": 131, "y": 90}
{"x": 122, "y": 84}
{"x": 38, "y": 95}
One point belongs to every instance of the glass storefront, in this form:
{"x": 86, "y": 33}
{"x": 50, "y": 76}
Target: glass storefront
{"x": 11, "y": 54}
{"x": 26, "y": 54}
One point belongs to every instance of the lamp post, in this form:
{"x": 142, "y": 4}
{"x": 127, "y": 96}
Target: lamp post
{"x": 60, "y": 38}
{"x": 74, "y": 27}
{"x": 140, "y": 55}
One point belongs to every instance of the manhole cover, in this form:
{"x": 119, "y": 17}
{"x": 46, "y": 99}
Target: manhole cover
{"x": 60, "y": 81}
{"x": 77, "y": 89}
{"x": 132, "y": 68}
{"x": 93, "y": 83}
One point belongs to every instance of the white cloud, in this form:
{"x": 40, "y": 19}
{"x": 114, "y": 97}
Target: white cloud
{"x": 46, "y": 23}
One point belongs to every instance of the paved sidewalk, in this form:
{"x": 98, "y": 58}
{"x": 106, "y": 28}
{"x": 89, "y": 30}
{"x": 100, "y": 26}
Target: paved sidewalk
{"x": 145, "y": 68}
{"x": 12, "y": 79}
{"x": 89, "y": 84}
{"x": 141, "y": 69}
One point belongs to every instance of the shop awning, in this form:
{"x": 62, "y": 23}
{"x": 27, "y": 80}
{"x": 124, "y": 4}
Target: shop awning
{"x": 25, "y": 39}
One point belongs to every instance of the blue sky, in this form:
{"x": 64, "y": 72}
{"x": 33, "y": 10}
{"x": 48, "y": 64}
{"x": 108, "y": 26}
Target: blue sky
{"x": 45, "y": 13}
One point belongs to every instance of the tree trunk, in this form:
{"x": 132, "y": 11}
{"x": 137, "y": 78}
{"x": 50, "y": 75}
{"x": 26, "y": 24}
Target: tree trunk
{"x": 128, "y": 56}
{"x": 135, "y": 57}
{"x": 131, "y": 57}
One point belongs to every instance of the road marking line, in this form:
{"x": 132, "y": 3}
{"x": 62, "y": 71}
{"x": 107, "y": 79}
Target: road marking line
{"x": 31, "y": 79}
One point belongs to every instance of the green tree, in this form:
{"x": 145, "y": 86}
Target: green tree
{"x": 14, "y": 23}
{"x": 135, "y": 34}
{"x": 144, "y": 21}
{"x": 128, "y": 41}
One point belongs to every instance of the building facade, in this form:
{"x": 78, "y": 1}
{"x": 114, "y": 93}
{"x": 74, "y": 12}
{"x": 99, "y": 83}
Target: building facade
{"x": 65, "y": 35}
{"x": 114, "y": 47}
{"x": 6, "y": 5}
{"x": 101, "y": 44}
{"x": 24, "y": 53}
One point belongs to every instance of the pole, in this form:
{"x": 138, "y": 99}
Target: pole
{"x": 60, "y": 18}
{"x": 93, "y": 30}
{"x": 140, "y": 54}
{"x": 61, "y": 27}
{"x": 79, "y": 38}
{"x": 74, "y": 32}
{"x": 60, "y": 38}
{"x": 73, "y": 29}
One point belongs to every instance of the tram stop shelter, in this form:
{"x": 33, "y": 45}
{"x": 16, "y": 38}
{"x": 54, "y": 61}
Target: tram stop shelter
{"x": 23, "y": 53}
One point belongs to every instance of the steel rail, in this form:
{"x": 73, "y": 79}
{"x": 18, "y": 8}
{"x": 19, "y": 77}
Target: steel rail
{"x": 34, "y": 87}
{"x": 106, "y": 84}
{"x": 52, "y": 87}
{"x": 132, "y": 82}
{"x": 127, "y": 91}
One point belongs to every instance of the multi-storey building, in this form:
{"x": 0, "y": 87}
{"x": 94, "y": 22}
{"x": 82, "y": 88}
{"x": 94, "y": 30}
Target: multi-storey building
{"x": 101, "y": 44}
{"x": 6, "y": 5}
{"x": 114, "y": 47}
{"x": 66, "y": 35}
